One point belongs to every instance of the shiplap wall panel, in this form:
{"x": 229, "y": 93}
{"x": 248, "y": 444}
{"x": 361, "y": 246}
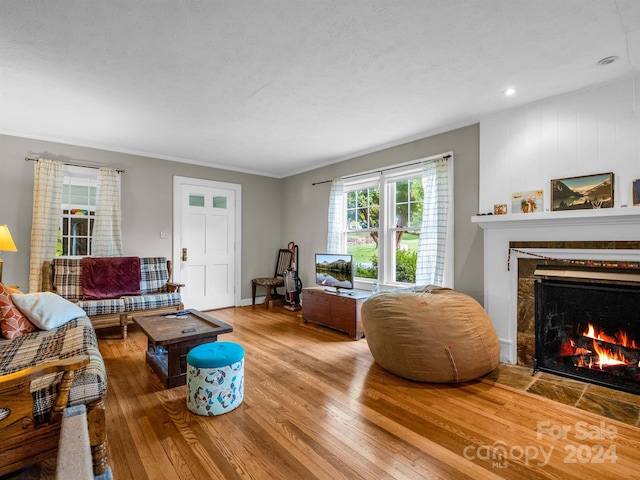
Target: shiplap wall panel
{"x": 626, "y": 127}
{"x": 588, "y": 161}
{"x": 548, "y": 143}
{"x": 607, "y": 138}
{"x": 628, "y": 135}
{"x": 637, "y": 121}
{"x": 532, "y": 157}
{"x": 500, "y": 161}
{"x": 581, "y": 133}
{"x": 567, "y": 144}
{"x": 517, "y": 129}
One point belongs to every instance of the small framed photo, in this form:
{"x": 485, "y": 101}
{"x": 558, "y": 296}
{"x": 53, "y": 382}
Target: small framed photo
{"x": 527, "y": 202}
{"x": 500, "y": 209}
{"x": 585, "y": 192}
{"x": 636, "y": 192}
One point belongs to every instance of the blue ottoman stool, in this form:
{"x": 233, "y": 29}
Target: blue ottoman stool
{"x": 215, "y": 378}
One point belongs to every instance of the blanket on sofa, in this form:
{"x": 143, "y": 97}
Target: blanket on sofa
{"x": 110, "y": 277}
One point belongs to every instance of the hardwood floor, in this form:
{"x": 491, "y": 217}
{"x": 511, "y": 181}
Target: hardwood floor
{"x": 317, "y": 406}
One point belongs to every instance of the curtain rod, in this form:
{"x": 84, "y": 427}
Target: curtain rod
{"x": 447, "y": 157}
{"x": 75, "y": 164}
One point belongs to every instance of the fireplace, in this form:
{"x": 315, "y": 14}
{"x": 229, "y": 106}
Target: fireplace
{"x": 606, "y": 234}
{"x": 587, "y": 325}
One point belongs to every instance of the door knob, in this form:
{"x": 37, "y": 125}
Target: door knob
{"x": 184, "y": 254}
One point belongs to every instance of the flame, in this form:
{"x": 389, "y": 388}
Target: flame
{"x": 621, "y": 338}
{"x": 601, "y": 356}
{"x": 569, "y": 348}
{"x": 607, "y": 357}
{"x": 625, "y": 342}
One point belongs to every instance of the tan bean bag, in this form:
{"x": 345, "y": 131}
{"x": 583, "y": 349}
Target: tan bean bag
{"x": 433, "y": 335}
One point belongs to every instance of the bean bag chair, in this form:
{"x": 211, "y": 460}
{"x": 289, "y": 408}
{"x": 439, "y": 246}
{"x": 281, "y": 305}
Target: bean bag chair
{"x": 431, "y": 335}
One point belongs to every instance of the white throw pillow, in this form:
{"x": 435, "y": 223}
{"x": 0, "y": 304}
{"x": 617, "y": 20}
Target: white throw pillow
{"x": 46, "y": 310}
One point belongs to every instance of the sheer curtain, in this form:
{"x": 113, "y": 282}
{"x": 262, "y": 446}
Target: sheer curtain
{"x": 336, "y": 208}
{"x": 433, "y": 231}
{"x": 47, "y": 214}
{"x": 107, "y": 232}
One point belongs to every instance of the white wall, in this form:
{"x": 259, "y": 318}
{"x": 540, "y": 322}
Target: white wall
{"x": 582, "y": 133}
{"x": 586, "y": 132}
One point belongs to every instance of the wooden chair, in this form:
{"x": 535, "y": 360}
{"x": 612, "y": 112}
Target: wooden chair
{"x": 271, "y": 284}
{"x": 22, "y": 440}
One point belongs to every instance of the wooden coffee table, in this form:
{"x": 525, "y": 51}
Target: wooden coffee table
{"x": 169, "y": 339}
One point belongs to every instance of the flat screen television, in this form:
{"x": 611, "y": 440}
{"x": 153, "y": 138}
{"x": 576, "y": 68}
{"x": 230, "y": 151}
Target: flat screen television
{"x": 334, "y": 270}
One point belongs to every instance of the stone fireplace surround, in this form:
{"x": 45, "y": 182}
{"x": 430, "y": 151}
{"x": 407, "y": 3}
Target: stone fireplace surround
{"x": 526, "y": 280}
{"x": 604, "y": 235}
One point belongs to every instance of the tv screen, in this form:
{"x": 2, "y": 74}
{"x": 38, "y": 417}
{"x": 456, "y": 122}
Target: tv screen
{"x": 334, "y": 270}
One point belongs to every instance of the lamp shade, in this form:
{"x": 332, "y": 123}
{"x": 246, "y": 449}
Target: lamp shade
{"x": 6, "y": 242}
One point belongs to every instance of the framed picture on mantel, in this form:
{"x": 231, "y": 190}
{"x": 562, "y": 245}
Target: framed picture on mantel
{"x": 527, "y": 202}
{"x": 636, "y": 193}
{"x": 580, "y": 193}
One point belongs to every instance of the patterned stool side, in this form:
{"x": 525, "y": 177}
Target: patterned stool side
{"x": 215, "y": 378}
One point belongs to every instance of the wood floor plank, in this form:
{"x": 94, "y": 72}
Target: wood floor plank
{"x": 341, "y": 410}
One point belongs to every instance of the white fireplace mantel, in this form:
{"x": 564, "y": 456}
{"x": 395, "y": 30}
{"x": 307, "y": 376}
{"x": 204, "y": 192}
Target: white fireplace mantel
{"x": 602, "y": 216}
{"x": 501, "y": 276}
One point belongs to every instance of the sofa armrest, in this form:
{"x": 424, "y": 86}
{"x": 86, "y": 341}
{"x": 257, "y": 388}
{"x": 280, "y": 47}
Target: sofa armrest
{"x": 174, "y": 287}
{"x": 24, "y": 440}
{"x": 47, "y": 276}
{"x": 15, "y": 396}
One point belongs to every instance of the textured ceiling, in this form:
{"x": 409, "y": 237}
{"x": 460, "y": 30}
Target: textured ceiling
{"x": 283, "y": 86}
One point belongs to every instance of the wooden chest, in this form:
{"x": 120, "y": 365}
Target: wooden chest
{"x": 338, "y": 311}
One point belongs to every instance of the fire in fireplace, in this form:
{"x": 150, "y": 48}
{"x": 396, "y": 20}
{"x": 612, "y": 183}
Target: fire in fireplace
{"x": 588, "y": 326}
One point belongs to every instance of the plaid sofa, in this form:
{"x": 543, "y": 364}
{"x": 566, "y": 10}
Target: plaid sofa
{"x": 157, "y": 295}
{"x": 74, "y": 338}
{"x": 42, "y": 373}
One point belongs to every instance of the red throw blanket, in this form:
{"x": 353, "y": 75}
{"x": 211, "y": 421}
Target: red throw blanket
{"x": 110, "y": 277}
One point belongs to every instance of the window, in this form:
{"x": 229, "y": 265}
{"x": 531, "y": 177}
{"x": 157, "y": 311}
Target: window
{"x": 78, "y": 211}
{"x": 408, "y": 199}
{"x": 363, "y": 219}
{"x": 383, "y": 220}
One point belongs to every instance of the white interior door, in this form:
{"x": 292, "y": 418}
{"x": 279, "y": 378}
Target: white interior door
{"x": 206, "y": 224}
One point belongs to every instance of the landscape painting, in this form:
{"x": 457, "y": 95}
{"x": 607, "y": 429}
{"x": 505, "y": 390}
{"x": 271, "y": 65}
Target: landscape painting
{"x": 579, "y": 193}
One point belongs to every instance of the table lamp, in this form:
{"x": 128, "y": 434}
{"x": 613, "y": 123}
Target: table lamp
{"x": 6, "y": 244}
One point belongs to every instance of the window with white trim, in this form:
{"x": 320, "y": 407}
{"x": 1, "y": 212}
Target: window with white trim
{"x": 362, "y": 229}
{"x": 78, "y": 211}
{"x": 383, "y": 218}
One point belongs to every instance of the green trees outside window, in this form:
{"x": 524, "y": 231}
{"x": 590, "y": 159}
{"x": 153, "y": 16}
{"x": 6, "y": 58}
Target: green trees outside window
{"x": 363, "y": 223}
